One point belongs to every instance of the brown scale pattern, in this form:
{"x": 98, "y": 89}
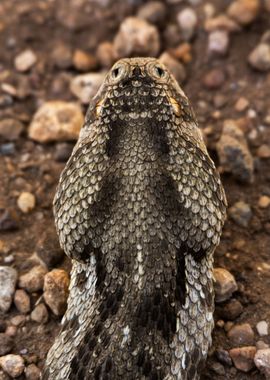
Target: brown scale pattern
{"x": 139, "y": 209}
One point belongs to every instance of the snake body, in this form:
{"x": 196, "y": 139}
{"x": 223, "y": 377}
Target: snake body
{"x": 139, "y": 209}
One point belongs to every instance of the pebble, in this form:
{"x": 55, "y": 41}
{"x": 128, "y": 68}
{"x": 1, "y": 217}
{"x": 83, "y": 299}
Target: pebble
{"x": 224, "y": 357}
{"x": 221, "y": 22}
{"x": 263, "y": 151}
{"x": 214, "y": 79}
{"x": 56, "y": 291}
{"x": 85, "y": 86}
{"x": 40, "y": 314}
{"x": 262, "y": 361}
{"x": 48, "y": 248}
{"x": 175, "y": 67}
{"x": 241, "y": 335}
{"x": 6, "y": 344}
{"x": 32, "y": 372}
{"x": 61, "y": 56}
{"x": 244, "y": 11}
{"x": 262, "y": 328}
{"x": 259, "y": 58}
{"x": 33, "y": 280}
{"x": 218, "y": 43}
{"x": 7, "y": 149}
{"x": 11, "y": 331}
{"x": 241, "y": 104}
{"x": 264, "y": 201}
{"x": 240, "y": 213}
{"x": 261, "y": 345}
{"x": 232, "y": 310}
{"x": 267, "y": 5}
{"x": 136, "y": 37}
{"x": 10, "y": 129}
{"x": 26, "y": 202}
{"x": 62, "y": 152}
{"x": 106, "y": 54}
{"x": 22, "y": 301}
{"x": 84, "y": 61}
{"x": 56, "y": 121}
{"x": 8, "y": 280}
{"x": 217, "y": 368}
{"x": 25, "y": 60}
{"x": 187, "y": 21}
{"x": 182, "y": 52}
{"x": 243, "y": 357}
{"x": 13, "y": 365}
{"x": 154, "y": 12}
{"x": 18, "y": 320}
{"x": 224, "y": 284}
{"x": 234, "y": 154}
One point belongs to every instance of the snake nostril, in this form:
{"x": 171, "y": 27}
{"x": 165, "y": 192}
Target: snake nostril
{"x": 137, "y": 71}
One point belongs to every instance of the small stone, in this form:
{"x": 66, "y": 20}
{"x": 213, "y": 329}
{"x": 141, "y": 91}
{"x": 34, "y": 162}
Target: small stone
{"x": 56, "y": 121}
{"x": 267, "y": 5}
{"x": 262, "y": 361}
{"x": 11, "y": 331}
{"x": 56, "y": 291}
{"x": 7, "y": 149}
{"x": 259, "y": 58}
{"x": 154, "y": 12}
{"x": 26, "y": 202}
{"x": 83, "y": 61}
{"x": 13, "y": 365}
{"x": 48, "y": 248}
{"x": 221, "y": 22}
{"x": 214, "y": 79}
{"x": 262, "y": 328}
{"x": 61, "y": 56}
{"x": 22, "y": 301}
{"x": 217, "y": 368}
{"x": 8, "y": 280}
{"x": 182, "y": 52}
{"x": 244, "y": 11}
{"x": 224, "y": 357}
{"x": 241, "y": 335}
{"x": 18, "y": 320}
{"x": 85, "y": 86}
{"x": 264, "y": 201}
{"x": 6, "y": 344}
{"x": 241, "y": 104}
{"x": 263, "y": 151}
{"x": 10, "y": 129}
{"x": 232, "y": 310}
{"x": 224, "y": 284}
{"x": 25, "y": 60}
{"x": 33, "y": 280}
{"x": 187, "y": 21}
{"x": 234, "y": 154}
{"x": 175, "y": 67}
{"x": 240, "y": 213}
{"x": 62, "y": 152}
{"x": 243, "y": 357}
{"x": 218, "y": 43}
{"x": 136, "y": 37}
{"x": 106, "y": 54}
{"x": 8, "y": 220}
{"x": 260, "y": 345}
{"x": 40, "y": 314}
{"x": 32, "y": 372}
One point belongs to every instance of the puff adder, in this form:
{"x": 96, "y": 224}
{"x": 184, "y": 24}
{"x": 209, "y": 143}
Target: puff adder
{"x": 139, "y": 209}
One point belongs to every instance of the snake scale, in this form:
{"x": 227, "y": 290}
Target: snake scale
{"x": 139, "y": 209}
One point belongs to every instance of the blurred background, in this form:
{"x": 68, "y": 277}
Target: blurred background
{"x": 53, "y": 57}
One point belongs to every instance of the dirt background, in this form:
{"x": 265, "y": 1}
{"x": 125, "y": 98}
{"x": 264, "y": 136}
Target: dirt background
{"x": 34, "y": 167}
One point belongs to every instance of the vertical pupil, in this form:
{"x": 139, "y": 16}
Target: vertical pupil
{"x": 116, "y": 72}
{"x": 160, "y": 71}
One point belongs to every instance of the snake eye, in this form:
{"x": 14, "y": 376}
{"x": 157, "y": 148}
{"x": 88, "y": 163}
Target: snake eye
{"x": 159, "y": 71}
{"x": 116, "y": 72}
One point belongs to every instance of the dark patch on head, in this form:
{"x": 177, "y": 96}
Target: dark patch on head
{"x": 156, "y": 312}
{"x": 180, "y": 291}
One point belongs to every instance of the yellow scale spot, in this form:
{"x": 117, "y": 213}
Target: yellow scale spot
{"x": 176, "y": 107}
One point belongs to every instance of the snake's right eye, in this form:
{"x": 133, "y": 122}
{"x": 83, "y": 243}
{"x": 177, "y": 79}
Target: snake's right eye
{"x": 116, "y": 73}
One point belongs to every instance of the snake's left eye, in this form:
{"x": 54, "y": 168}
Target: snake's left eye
{"x": 116, "y": 72}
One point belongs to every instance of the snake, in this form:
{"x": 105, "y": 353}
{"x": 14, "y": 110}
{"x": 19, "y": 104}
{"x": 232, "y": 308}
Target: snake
{"x": 139, "y": 210}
